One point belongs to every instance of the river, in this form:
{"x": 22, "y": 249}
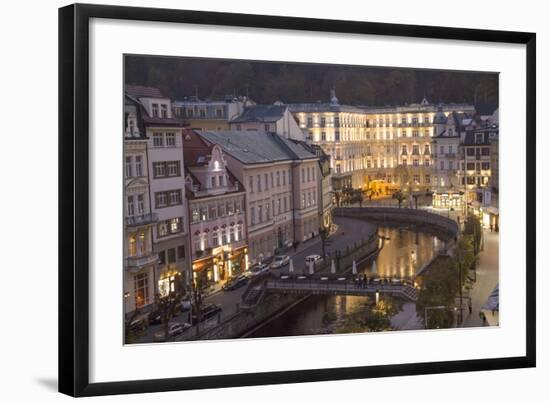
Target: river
{"x": 404, "y": 252}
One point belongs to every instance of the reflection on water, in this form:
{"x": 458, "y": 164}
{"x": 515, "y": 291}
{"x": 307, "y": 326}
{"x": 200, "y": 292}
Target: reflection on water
{"x": 404, "y": 252}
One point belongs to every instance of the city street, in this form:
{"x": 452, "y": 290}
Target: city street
{"x": 348, "y": 232}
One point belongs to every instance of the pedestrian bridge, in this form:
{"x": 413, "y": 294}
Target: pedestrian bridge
{"x": 342, "y": 285}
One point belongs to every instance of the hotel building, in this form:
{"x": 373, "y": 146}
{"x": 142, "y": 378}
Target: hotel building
{"x": 366, "y": 144}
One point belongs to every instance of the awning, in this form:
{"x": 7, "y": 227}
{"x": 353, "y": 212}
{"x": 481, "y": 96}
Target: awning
{"x": 490, "y": 209}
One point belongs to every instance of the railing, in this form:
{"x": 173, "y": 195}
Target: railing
{"x": 450, "y": 155}
{"x": 134, "y": 262}
{"x": 141, "y": 220}
{"x": 346, "y": 286}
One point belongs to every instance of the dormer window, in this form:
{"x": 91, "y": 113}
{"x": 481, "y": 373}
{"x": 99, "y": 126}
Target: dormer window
{"x": 164, "y": 111}
{"x": 155, "y": 109}
{"x": 216, "y": 165}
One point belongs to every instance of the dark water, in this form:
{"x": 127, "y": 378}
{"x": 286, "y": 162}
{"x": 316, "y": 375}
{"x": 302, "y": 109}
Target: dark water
{"x": 404, "y": 252}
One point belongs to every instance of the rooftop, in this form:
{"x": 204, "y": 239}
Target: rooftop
{"x": 257, "y": 147}
{"x": 139, "y": 91}
{"x": 261, "y": 113}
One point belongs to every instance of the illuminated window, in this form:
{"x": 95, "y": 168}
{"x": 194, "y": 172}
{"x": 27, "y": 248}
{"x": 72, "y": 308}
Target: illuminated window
{"x": 141, "y": 289}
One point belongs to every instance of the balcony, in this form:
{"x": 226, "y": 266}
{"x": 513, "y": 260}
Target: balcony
{"x": 141, "y": 220}
{"x": 136, "y": 263}
{"x": 450, "y": 155}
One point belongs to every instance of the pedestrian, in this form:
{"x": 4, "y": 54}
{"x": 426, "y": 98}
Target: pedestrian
{"x": 470, "y": 306}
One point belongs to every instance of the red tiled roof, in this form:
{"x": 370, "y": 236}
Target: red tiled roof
{"x": 138, "y": 91}
{"x": 194, "y": 147}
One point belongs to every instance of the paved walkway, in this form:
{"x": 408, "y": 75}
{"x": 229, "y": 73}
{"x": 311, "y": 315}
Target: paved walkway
{"x": 487, "y": 278}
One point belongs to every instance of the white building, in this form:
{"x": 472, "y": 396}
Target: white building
{"x": 166, "y": 185}
{"x": 140, "y": 260}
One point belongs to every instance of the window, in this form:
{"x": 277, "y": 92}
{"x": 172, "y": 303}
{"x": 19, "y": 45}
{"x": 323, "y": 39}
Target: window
{"x": 219, "y": 113}
{"x": 416, "y": 179}
{"x": 259, "y": 182}
{"x": 451, "y": 165}
{"x": 260, "y": 213}
{"x": 485, "y": 151}
{"x": 155, "y": 108}
{"x": 415, "y": 163}
{"x": 323, "y": 136}
{"x": 139, "y": 167}
{"x": 285, "y": 204}
{"x": 310, "y": 122}
{"x": 159, "y": 169}
{"x": 485, "y": 166}
{"x": 426, "y": 149}
{"x": 158, "y": 139}
{"x": 470, "y": 166}
{"x": 170, "y": 139}
{"x": 173, "y": 168}
{"x": 404, "y": 133}
{"x": 212, "y": 182}
{"x": 426, "y": 162}
{"x": 141, "y": 290}
{"x": 140, "y": 205}
{"x": 162, "y": 257}
{"x": 164, "y": 111}
{"x": 239, "y": 127}
{"x": 215, "y": 240}
{"x": 427, "y": 178}
{"x": 266, "y": 183}
{"x": 415, "y": 134}
{"x": 175, "y": 225}
{"x": 308, "y": 175}
{"x": 128, "y": 166}
{"x": 442, "y": 165}
{"x": 252, "y": 215}
{"x": 303, "y": 172}
{"x": 470, "y": 152}
{"x": 251, "y": 183}
{"x": 160, "y": 199}
{"x": 175, "y": 197}
{"x": 272, "y": 180}
{"x": 181, "y": 252}
{"x": 172, "y": 255}
{"x": 284, "y": 177}
{"x": 266, "y": 127}
{"x": 337, "y": 136}
{"x": 323, "y": 121}
{"x": 403, "y": 149}
{"x": 441, "y": 150}
{"x": 415, "y": 150}
{"x": 130, "y": 205}
{"x": 303, "y": 200}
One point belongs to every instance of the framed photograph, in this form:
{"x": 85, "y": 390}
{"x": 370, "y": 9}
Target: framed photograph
{"x": 251, "y": 199}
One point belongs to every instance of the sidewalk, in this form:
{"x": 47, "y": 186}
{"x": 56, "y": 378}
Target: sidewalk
{"x": 487, "y": 278}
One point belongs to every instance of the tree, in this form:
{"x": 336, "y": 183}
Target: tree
{"x": 437, "y": 289}
{"x": 337, "y": 197}
{"x": 472, "y": 227}
{"x": 399, "y": 195}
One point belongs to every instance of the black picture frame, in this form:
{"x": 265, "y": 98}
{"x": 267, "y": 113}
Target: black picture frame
{"x": 74, "y": 198}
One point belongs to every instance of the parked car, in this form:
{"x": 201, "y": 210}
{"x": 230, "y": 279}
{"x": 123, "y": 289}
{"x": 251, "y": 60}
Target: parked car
{"x": 185, "y": 305}
{"x": 155, "y": 317}
{"x": 235, "y": 283}
{"x": 259, "y": 269}
{"x": 207, "y": 311}
{"x": 174, "y": 329}
{"x": 279, "y": 261}
{"x": 313, "y": 258}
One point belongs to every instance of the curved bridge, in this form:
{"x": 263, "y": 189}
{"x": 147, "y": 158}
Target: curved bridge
{"x": 419, "y": 218}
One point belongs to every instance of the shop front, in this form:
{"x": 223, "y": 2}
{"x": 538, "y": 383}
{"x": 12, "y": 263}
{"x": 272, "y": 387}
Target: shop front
{"x": 223, "y": 264}
{"x": 448, "y": 200}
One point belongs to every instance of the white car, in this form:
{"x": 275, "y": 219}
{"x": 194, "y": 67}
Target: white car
{"x": 313, "y": 258}
{"x": 174, "y": 329}
{"x": 259, "y": 269}
{"x": 279, "y": 261}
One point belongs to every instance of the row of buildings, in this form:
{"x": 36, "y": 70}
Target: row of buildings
{"x": 214, "y": 186}
{"x": 203, "y": 205}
